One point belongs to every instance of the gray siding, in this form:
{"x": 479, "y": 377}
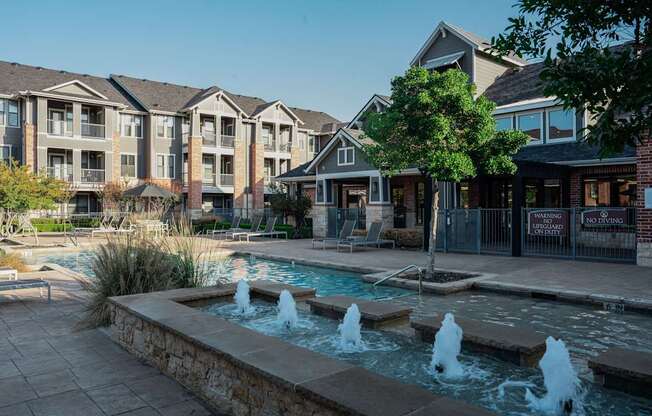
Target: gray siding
{"x": 329, "y": 163}
{"x": 487, "y": 70}
{"x": 448, "y": 45}
{"x": 12, "y": 137}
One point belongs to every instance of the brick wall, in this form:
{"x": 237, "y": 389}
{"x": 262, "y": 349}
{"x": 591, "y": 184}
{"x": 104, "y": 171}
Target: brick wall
{"x": 577, "y": 174}
{"x": 240, "y": 173}
{"x": 29, "y": 145}
{"x": 258, "y": 175}
{"x": 194, "y": 173}
{"x": 644, "y": 215}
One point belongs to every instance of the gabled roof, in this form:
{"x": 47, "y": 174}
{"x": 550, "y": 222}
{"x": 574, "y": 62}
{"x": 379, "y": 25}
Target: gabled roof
{"x": 517, "y": 84}
{"x": 208, "y": 93}
{"x": 376, "y": 98}
{"x": 79, "y": 84}
{"x": 298, "y": 172}
{"x": 318, "y": 121}
{"x": 261, "y": 108}
{"x": 356, "y": 137}
{"x": 16, "y": 78}
{"x": 475, "y": 41}
{"x": 158, "y": 96}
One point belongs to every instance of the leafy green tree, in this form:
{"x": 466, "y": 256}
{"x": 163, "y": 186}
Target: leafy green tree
{"x": 296, "y": 207}
{"x": 582, "y": 66}
{"x": 22, "y": 191}
{"x": 436, "y": 124}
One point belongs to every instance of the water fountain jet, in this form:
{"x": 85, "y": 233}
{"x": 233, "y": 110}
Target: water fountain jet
{"x": 560, "y": 379}
{"x": 350, "y": 328}
{"x": 287, "y": 310}
{"x": 242, "y": 298}
{"x": 448, "y": 344}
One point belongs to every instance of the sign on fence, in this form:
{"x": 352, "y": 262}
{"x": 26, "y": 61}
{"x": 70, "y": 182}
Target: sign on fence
{"x": 604, "y": 216}
{"x": 550, "y": 222}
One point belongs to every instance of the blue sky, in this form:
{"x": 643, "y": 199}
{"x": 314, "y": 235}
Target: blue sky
{"x": 325, "y": 55}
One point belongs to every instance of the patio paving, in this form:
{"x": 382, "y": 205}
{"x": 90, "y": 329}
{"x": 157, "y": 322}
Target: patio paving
{"x": 48, "y": 368}
{"x": 516, "y": 274}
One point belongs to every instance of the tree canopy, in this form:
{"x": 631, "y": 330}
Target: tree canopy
{"x": 436, "y": 124}
{"x": 597, "y": 55}
{"x": 21, "y": 190}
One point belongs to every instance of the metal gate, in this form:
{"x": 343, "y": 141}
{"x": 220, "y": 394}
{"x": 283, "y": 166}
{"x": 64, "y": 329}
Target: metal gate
{"x": 607, "y": 234}
{"x": 480, "y": 230}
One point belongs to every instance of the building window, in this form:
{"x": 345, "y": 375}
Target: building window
{"x": 504, "y": 123}
{"x": 312, "y": 144}
{"x": 531, "y": 124}
{"x": 345, "y": 156}
{"x": 615, "y": 191}
{"x": 128, "y": 166}
{"x": 132, "y": 125}
{"x": 165, "y": 127}
{"x": 165, "y": 166}
{"x": 5, "y": 154}
{"x": 9, "y": 113}
{"x": 561, "y": 125}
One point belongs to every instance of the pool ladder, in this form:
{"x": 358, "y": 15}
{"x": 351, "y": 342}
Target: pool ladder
{"x": 403, "y": 270}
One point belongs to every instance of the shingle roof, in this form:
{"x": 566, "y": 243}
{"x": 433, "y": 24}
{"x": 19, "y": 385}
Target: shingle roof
{"x": 296, "y": 172}
{"x": 248, "y": 104}
{"x": 483, "y": 43}
{"x": 155, "y": 95}
{"x": 317, "y": 120}
{"x": 517, "y": 84}
{"x": 565, "y": 152}
{"x": 359, "y": 136}
{"x": 16, "y": 77}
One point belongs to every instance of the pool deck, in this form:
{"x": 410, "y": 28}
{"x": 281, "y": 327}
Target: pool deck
{"x": 47, "y": 367}
{"x": 566, "y": 280}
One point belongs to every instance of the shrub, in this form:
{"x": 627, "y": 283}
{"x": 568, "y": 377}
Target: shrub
{"x": 13, "y": 261}
{"x": 126, "y": 266}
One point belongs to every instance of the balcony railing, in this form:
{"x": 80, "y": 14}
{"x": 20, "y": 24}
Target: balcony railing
{"x": 226, "y": 179}
{"x": 62, "y": 172}
{"x": 228, "y": 141}
{"x": 285, "y": 147}
{"x": 270, "y": 146}
{"x": 60, "y": 128}
{"x": 209, "y": 138}
{"x": 92, "y": 130}
{"x": 209, "y": 179}
{"x": 92, "y": 175}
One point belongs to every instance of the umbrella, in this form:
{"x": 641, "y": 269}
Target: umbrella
{"x": 148, "y": 190}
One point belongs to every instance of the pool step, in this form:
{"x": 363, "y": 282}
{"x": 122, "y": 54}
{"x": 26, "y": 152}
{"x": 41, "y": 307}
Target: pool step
{"x": 624, "y": 370}
{"x": 373, "y": 314}
{"x": 519, "y": 346}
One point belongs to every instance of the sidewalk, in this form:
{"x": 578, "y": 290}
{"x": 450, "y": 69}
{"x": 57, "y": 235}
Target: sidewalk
{"x": 574, "y": 280}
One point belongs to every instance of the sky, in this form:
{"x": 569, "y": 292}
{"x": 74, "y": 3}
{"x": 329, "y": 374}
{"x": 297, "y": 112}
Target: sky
{"x": 323, "y": 55}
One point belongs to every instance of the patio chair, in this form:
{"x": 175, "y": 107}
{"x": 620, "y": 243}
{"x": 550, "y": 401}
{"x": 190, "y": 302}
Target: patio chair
{"x": 267, "y": 232}
{"x": 119, "y": 226}
{"x": 345, "y": 234}
{"x": 372, "y": 238}
{"x": 255, "y": 227}
{"x": 235, "y": 226}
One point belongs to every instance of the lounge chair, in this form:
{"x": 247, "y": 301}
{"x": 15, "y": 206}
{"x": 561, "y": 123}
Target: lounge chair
{"x": 119, "y": 227}
{"x": 345, "y": 234}
{"x": 16, "y": 284}
{"x": 255, "y": 227}
{"x": 235, "y": 227}
{"x": 267, "y": 232}
{"x": 372, "y": 238}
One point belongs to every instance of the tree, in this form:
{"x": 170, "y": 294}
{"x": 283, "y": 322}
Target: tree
{"x": 296, "y": 207}
{"x": 584, "y": 69}
{"x": 436, "y": 125}
{"x": 22, "y": 191}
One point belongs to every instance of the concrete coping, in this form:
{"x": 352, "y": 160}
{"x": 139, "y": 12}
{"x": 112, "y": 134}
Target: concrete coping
{"x": 271, "y": 291}
{"x": 519, "y": 346}
{"x": 333, "y": 383}
{"x": 626, "y": 370}
{"x": 373, "y": 314}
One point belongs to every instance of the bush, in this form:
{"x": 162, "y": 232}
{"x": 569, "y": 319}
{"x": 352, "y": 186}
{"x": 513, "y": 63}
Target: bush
{"x": 126, "y": 266}
{"x": 13, "y": 261}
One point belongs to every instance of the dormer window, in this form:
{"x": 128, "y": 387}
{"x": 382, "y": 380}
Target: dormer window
{"x": 345, "y": 156}
{"x": 532, "y": 125}
{"x": 561, "y": 125}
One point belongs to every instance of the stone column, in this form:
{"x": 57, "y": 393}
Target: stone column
{"x": 29, "y": 146}
{"x": 194, "y": 176}
{"x": 380, "y": 212}
{"x": 320, "y": 220}
{"x": 644, "y": 215}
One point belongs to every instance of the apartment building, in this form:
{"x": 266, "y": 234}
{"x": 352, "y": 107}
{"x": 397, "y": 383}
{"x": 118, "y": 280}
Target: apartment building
{"x": 218, "y": 149}
{"x": 557, "y": 172}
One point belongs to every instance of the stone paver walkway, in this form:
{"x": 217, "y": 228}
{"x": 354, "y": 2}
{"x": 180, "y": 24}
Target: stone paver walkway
{"x": 47, "y": 368}
{"x": 617, "y": 280}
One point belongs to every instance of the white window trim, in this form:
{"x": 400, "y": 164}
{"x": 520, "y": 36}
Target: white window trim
{"x": 174, "y": 132}
{"x": 4, "y": 120}
{"x": 510, "y": 118}
{"x": 541, "y": 130}
{"x": 174, "y": 170}
{"x": 8, "y": 146}
{"x": 122, "y": 126}
{"x": 135, "y": 155}
{"x": 563, "y": 139}
{"x": 343, "y": 150}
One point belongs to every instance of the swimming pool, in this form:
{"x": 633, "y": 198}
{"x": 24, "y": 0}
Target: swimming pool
{"x": 326, "y": 281}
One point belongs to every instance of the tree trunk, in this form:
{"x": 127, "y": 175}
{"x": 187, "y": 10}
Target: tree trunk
{"x": 433, "y": 228}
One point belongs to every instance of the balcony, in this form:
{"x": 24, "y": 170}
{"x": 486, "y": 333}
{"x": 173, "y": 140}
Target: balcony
{"x": 285, "y": 147}
{"x": 228, "y": 141}
{"x": 209, "y": 179}
{"x": 95, "y": 131}
{"x": 226, "y": 179}
{"x": 61, "y": 172}
{"x": 270, "y": 146}
{"x": 60, "y": 128}
{"x": 209, "y": 138}
{"x": 92, "y": 175}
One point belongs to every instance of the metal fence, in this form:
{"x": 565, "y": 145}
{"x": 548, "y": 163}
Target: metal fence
{"x": 480, "y": 230}
{"x": 337, "y": 216}
{"x": 246, "y": 214}
{"x": 604, "y": 233}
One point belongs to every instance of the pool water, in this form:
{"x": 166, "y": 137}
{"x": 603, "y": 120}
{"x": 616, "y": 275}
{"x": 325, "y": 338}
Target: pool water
{"x": 326, "y": 281}
{"x": 490, "y": 383}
